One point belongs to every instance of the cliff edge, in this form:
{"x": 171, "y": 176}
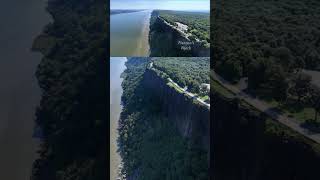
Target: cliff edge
{"x": 191, "y": 119}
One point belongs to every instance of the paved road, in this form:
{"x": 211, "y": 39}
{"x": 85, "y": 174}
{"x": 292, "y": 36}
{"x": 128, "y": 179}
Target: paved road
{"x": 186, "y": 35}
{"x": 183, "y": 90}
{"x": 190, "y": 94}
{"x": 266, "y": 108}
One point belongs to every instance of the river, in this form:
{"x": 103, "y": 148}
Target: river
{"x": 129, "y": 34}
{"x": 117, "y": 66}
{"x": 21, "y": 21}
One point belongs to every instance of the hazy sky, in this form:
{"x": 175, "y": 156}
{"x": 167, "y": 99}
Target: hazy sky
{"x": 161, "y": 4}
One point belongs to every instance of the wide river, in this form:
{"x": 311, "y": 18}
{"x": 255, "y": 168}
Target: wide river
{"x": 129, "y": 34}
{"x": 117, "y": 66}
{"x": 21, "y": 21}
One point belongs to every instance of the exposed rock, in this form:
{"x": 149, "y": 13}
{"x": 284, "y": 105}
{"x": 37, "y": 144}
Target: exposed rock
{"x": 191, "y": 119}
{"x": 167, "y": 41}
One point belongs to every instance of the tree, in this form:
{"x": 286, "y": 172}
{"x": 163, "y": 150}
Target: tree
{"x": 312, "y": 59}
{"x": 256, "y": 73}
{"x": 245, "y": 56}
{"x": 194, "y": 86}
{"x": 301, "y": 86}
{"x": 298, "y": 65}
{"x": 284, "y": 56}
{"x": 314, "y": 98}
{"x": 276, "y": 80}
{"x": 231, "y": 69}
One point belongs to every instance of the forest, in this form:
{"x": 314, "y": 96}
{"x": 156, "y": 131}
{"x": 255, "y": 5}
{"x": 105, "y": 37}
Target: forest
{"x": 190, "y": 72}
{"x": 151, "y": 148}
{"x": 269, "y": 45}
{"x": 198, "y": 23}
{"x": 72, "y": 75}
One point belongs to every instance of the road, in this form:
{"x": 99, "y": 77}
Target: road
{"x": 190, "y": 94}
{"x": 267, "y": 109}
{"x": 186, "y": 35}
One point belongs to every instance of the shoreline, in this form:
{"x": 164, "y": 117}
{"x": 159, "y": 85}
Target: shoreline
{"x": 21, "y": 92}
{"x": 116, "y": 109}
{"x": 143, "y": 48}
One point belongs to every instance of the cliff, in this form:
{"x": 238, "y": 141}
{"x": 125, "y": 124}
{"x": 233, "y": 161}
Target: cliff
{"x": 166, "y": 41}
{"x": 191, "y": 119}
{"x": 246, "y": 145}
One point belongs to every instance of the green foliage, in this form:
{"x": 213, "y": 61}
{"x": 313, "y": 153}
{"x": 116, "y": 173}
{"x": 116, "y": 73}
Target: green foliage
{"x": 190, "y": 72}
{"x": 231, "y": 70}
{"x": 301, "y": 85}
{"x": 269, "y": 42}
{"x": 285, "y": 32}
{"x": 72, "y": 112}
{"x": 165, "y": 43}
{"x": 150, "y": 147}
{"x": 136, "y": 68}
{"x": 198, "y": 23}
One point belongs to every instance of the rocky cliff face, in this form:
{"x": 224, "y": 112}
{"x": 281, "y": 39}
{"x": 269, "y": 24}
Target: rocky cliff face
{"x": 245, "y": 145}
{"x": 167, "y": 41}
{"x": 191, "y": 120}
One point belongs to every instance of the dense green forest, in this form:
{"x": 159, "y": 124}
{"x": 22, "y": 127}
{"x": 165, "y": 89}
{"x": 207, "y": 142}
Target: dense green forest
{"x": 72, "y": 76}
{"x": 190, "y": 72}
{"x": 198, "y": 23}
{"x": 284, "y": 32}
{"x": 151, "y": 148}
{"x": 270, "y": 43}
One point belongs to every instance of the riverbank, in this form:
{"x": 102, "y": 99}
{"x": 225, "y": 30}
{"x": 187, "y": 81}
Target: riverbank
{"x": 129, "y": 34}
{"x": 143, "y": 45}
{"x": 117, "y": 66}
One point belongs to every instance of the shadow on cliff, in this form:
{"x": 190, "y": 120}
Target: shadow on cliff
{"x": 245, "y": 145}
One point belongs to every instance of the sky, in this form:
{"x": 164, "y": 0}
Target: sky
{"x": 161, "y": 4}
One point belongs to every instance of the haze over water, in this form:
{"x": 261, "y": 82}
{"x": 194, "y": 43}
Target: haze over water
{"x": 21, "y": 21}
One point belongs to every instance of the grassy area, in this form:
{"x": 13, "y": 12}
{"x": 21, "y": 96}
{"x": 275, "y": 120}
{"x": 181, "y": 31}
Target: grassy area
{"x": 175, "y": 87}
{"x": 204, "y": 98}
{"x": 294, "y": 110}
{"x": 218, "y": 88}
{"x": 305, "y": 114}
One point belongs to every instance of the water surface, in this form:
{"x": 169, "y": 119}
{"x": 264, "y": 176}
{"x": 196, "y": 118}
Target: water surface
{"x": 129, "y": 33}
{"x": 117, "y": 66}
{"x": 21, "y": 21}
